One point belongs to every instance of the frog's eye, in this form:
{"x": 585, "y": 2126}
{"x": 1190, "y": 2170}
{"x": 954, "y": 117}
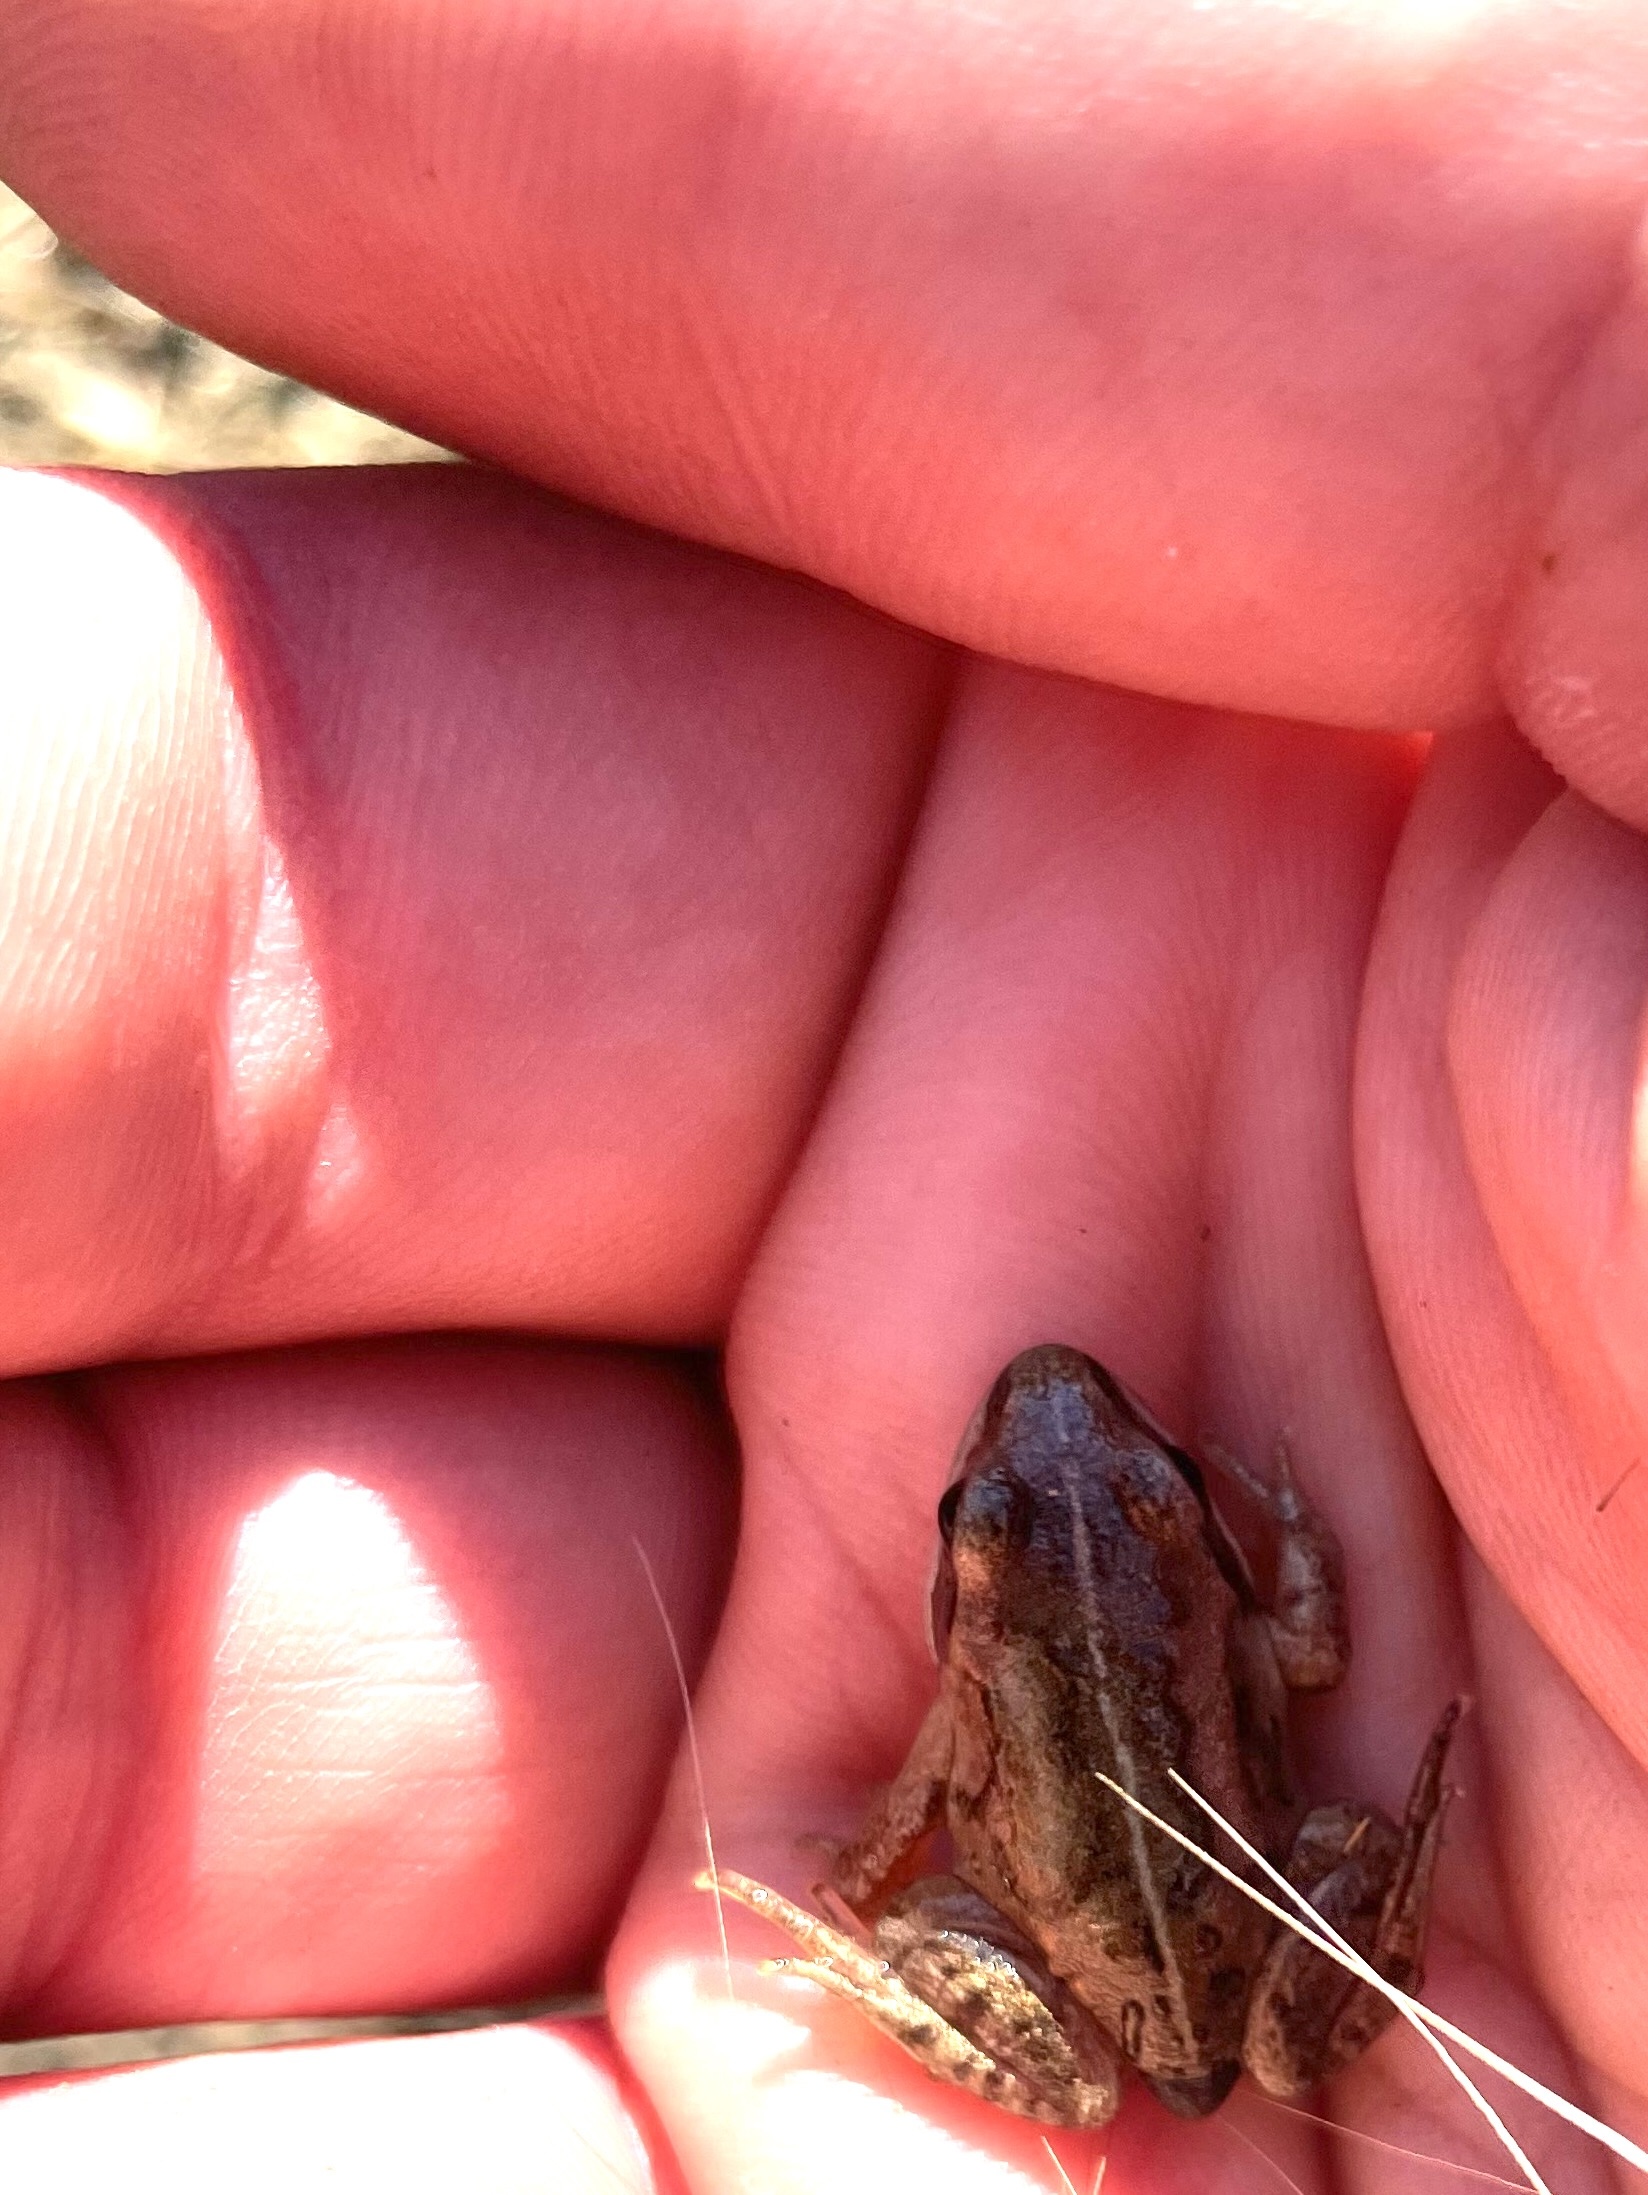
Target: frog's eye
{"x": 948, "y": 1503}
{"x": 941, "y": 1583}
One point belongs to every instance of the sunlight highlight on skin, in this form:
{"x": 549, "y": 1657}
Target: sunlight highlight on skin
{"x": 342, "y": 1673}
{"x": 80, "y": 683}
{"x": 275, "y": 1040}
{"x": 276, "y": 1111}
{"x": 339, "y": 1162}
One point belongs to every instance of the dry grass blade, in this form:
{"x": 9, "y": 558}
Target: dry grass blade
{"x": 711, "y": 1868}
{"x": 1265, "y": 2158}
{"x": 1421, "y": 2014}
{"x": 1327, "y": 1935}
{"x": 1418, "y": 2013}
{"x": 1331, "y": 1947}
{"x": 1065, "y": 2180}
{"x": 1391, "y": 2149}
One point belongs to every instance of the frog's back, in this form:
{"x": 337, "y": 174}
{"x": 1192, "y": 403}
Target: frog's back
{"x": 1110, "y": 1621}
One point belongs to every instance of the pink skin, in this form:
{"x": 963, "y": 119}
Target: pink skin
{"x": 433, "y": 906}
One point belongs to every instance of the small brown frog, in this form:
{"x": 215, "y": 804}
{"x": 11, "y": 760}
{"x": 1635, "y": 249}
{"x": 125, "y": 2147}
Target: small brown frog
{"x": 1090, "y": 1612}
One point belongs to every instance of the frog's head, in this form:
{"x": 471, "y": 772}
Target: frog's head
{"x": 1052, "y": 1399}
{"x": 1049, "y": 1401}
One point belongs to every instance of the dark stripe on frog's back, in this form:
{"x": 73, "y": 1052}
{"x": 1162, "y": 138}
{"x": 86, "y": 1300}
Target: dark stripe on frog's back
{"x": 1047, "y": 1839}
{"x": 1069, "y": 1882}
{"x": 1158, "y": 1621}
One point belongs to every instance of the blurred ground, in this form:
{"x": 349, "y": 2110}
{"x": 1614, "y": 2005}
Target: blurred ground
{"x": 88, "y": 376}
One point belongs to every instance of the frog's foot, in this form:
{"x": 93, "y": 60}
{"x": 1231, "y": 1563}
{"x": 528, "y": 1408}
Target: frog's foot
{"x": 1307, "y": 2018}
{"x": 1307, "y": 1621}
{"x": 941, "y": 1984}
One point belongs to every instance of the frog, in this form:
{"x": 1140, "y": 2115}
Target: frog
{"x": 1093, "y": 1617}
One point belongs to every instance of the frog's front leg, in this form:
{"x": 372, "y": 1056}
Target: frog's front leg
{"x": 955, "y": 1984}
{"x": 1306, "y": 1617}
{"x": 887, "y": 1850}
{"x": 1307, "y": 2017}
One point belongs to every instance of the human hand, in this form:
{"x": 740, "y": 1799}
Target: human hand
{"x": 434, "y": 907}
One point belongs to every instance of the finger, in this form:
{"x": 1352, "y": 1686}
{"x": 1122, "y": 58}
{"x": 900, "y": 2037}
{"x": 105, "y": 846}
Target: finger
{"x": 332, "y": 1678}
{"x": 1571, "y": 1800}
{"x": 425, "y": 905}
{"x": 518, "y": 2109}
{"x": 1574, "y": 655}
{"x": 1496, "y": 1102}
{"x": 1071, "y": 344}
{"x": 1115, "y": 1114}
{"x": 1499, "y": 1103}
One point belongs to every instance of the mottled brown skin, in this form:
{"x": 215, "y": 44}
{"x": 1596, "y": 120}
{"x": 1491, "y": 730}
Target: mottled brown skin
{"x": 1091, "y": 1613}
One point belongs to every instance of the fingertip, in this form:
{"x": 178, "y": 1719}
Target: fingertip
{"x": 113, "y": 874}
{"x": 1573, "y": 659}
{"x": 1545, "y": 1060}
{"x": 1550, "y": 971}
{"x": 1499, "y": 1072}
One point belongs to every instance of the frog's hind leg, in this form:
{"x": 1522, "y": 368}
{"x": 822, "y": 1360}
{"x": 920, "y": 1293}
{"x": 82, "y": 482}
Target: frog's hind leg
{"x": 1307, "y": 2017}
{"x": 968, "y": 1961}
{"x": 972, "y": 2010}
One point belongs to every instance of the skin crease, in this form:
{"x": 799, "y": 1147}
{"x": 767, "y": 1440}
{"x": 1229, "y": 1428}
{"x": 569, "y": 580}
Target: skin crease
{"x": 433, "y": 906}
